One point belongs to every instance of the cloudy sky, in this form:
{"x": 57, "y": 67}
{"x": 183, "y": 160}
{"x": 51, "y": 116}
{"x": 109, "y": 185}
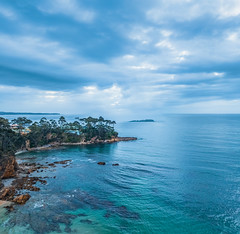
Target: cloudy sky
{"x": 120, "y": 58}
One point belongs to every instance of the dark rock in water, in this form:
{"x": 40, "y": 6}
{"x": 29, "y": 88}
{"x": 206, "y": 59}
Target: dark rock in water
{"x": 44, "y": 220}
{"x": 27, "y": 183}
{"x": 88, "y": 221}
{"x": 101, "y": 163}
{"x": 54, "y": 211}
{"x": 115, "y": 164}
{"x": 63, "y": 162}
{"x": 68, "y": 230}
{"x": 63, "y": 218}
{"x": 81, "y": 215}
{"x": 9, "y": 208}
{"x": 107, "y": 215}
{"x": 22, "y": 199}
{"x": 98, "y": 204}
{"x": 8, "y": 193}
{"x": 40, "y": 224}
{"x": 122, "y": 211}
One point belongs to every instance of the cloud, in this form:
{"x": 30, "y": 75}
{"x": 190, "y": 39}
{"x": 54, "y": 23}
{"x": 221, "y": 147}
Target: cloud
{"x": 94, "y": 100}
{"x": 70, "y": 8}
{"x": 33, "y": 48}
{"x": 174, "y": 9}
{"x": 122, "y": 59}
{"x": 8, "y": 13}
{"x": 56, "y": 63}
{"x": 191, "y": 10}
{"x": 230, "y": 8}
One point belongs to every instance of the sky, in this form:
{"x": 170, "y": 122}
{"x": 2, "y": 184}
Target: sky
{"x": 119, "y": 58}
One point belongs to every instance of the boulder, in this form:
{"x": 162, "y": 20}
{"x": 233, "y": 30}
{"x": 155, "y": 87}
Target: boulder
{"x": 22, "y": 199}
{"x": 63, "y": 162}
{"x": 7, "y": 193}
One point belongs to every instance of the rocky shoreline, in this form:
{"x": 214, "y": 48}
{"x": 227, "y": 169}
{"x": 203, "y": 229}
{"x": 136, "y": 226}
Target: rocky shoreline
{"x": 23, "y": 181}
{"x": 56, "y": 145}
{"x": 21, "y": 174}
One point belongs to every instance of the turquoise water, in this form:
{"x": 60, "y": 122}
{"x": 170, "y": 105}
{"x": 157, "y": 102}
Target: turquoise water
{"x": 181, "y": 176}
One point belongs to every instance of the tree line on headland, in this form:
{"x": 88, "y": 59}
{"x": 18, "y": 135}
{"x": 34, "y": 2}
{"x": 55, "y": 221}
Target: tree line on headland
{"x": 21, "y": 132}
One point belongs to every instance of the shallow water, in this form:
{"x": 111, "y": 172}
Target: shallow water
{"x": 181, "y": 176}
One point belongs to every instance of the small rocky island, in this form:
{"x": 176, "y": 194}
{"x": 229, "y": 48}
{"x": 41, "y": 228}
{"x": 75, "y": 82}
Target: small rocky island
{"x": 22, "y": 135}
{"x": 142, "y": 120}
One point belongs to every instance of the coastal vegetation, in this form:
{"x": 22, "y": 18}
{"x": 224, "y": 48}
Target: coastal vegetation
{"x": 21, "y": 133}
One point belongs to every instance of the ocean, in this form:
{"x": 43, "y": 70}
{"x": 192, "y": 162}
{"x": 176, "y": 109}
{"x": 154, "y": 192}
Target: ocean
{"x": 182, "y": 175}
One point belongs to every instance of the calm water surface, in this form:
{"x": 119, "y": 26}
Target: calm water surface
{"x": 181, "y": 176}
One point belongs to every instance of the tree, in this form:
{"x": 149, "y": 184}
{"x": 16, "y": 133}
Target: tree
{"x": 4, "y": 123}
{"x": 62, "y": 122}
{"x": 53, "y": 123}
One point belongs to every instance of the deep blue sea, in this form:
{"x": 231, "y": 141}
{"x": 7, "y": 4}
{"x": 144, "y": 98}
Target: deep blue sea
{"x": 182, "y": 175}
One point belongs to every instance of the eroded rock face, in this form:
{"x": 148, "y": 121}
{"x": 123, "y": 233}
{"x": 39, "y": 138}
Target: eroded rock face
{"x": 22, "y": 199}
{"x": 8, "y": 194}
{"x": 8, "y": 167}
{"x": 27, "y": 143}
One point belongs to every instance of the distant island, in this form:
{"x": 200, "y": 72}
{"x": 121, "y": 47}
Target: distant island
{"x": 26, "y": 113}
{"x": 142, "y": 120}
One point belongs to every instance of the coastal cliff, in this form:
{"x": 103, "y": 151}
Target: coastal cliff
{"x": 8, "y": 168}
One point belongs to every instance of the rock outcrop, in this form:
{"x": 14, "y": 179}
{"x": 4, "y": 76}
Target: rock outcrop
{"x": 8, "y": 194}
{"x": 8, "y": 167}
{"x": 117, "y": 139}
{"x": 27, "y": 143}
{"x": 22, "y": 199}
{"x": 95, "y": 140}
